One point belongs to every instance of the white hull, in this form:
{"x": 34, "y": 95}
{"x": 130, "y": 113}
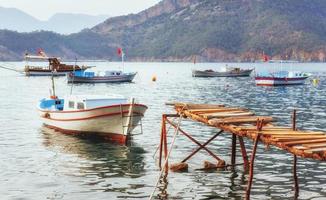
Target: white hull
{"x": 45, "y": 73}
{"x": 112, "y": 121}
{"x": 279, "y": 81}
{"x": 241, "y": 73}
{"x": 99, "y": 79}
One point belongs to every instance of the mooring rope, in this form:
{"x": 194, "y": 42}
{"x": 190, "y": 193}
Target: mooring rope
{"x": 7, "y": 68}
{"x": 167, "y": 158}
{"x": 158, "y": 147}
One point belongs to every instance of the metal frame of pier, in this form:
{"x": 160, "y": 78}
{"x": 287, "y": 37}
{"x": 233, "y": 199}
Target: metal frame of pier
{"x": 243, "y": 124}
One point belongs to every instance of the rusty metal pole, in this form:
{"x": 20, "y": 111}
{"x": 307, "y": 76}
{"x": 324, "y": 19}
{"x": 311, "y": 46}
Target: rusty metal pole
{"x": 294, "y": 118}
{"x": 295, "y": 176}
{"x": 165, "y": 144}
{"x": 233, "y": 153}
{"x": 251, "y": 169}
{"x": 243, "y": 153}
{"x": 161, "y": 144}
{"x": 260, "y": 124}
{"x": 204, "y": 145}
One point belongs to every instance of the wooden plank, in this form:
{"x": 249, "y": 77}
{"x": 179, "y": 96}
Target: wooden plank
{"x": 248, "y": 128}
{"x": 323, "y": 149}
{"x": 297, "y": 138}
{"x": 241, "y": 119}
{"x": 198, "y": 106}
{"x": 227, "y": 114}
{"x": 223, "y": 109}
{"x": 285, "y": 133}
{"x": 292, "y": 143}
{"x": 317, "y": 145}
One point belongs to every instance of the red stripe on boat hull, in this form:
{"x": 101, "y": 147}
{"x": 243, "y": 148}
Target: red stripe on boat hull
{"x": 93, "y": 117}
{"x": 112, "y": 137}
{"x": 280, "y": 79}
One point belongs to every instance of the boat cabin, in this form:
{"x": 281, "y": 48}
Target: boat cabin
{"x": 73, "y": 103}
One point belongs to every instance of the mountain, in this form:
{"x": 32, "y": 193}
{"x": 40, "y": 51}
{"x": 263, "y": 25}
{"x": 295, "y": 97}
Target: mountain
{"x": 176, "y": 30}
{"x": 14, "y": 19}
{"x": 64, "y": 23}
{"x": 72, "y": 23}
{"x": 223, "y": 30}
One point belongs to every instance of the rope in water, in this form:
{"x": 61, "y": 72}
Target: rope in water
{"x": 167, "y": 158}
{"x": 7, "y": 68}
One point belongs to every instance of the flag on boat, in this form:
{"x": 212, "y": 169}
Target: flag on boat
{"x": 40, "y": 52}
{"x": 265, "y": 57}
{"x": 194, "y": 59}
{"x": 120, "y": 52}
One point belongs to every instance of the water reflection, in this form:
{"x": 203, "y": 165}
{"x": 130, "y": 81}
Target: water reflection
{"x": 104, "y": 160}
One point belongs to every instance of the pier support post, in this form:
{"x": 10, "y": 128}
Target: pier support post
{"x": 233, "y": 153}
{"x": 165, "y": 144}
{"x": 251, "y": 170}
{"x": 260, "y": 124}
{"x": 243, "y": 153}
{"x": 161, "y": 143}
{"x": 295, "y": 177}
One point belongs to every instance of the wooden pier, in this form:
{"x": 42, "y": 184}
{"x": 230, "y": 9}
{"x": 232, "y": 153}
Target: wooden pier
{"x": 243, "y": 124}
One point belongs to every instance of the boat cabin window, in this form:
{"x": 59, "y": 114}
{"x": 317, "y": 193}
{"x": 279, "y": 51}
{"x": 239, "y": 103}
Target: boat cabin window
{"x": 71, "y": 104}
{"x": 118, "y": 73}
{"x": 80, "y": 106}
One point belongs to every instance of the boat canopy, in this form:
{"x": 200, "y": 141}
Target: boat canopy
{"x": 80, "y": 102}
{"x": 34, "y": 57}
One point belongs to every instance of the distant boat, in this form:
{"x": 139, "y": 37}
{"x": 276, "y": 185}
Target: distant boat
{"x": 111, "y": 116}
{"x": 225, "y": 72}
{"x": 100, "y": 77}
{"x": 55, "y": 67}
{"x": 280, "y": 78}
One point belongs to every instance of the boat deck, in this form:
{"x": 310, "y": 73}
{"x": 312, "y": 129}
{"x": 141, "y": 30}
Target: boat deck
{"x": 242, "y": 124}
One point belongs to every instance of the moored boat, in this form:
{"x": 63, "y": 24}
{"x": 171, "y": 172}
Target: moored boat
{"x": 225, "y": 72}
{"x": 281, "y": 78}
{"x": 55, "y": 67}
{"x": 112, "y": 116}
{"x": 100, "y": 77}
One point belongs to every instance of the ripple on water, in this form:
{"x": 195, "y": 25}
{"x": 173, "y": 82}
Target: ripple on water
{"x": 38, "y": 163}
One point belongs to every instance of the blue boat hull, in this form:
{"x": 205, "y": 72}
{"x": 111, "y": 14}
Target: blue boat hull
{"x": 101, "y": 79}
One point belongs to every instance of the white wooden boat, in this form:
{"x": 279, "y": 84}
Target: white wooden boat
{"x": 281, "y": 78}
{"x": 224, "y": 72}
{"x": 112, "y": 116}
{"x": 100, "y": 77}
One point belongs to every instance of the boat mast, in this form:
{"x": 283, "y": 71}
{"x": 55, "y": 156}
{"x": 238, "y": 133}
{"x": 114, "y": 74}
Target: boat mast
{"x": 73, "y": 76}
{"x": 53, "y": 87}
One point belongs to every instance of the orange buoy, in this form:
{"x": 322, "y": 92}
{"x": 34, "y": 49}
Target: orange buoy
{"x": 154, "y": 78}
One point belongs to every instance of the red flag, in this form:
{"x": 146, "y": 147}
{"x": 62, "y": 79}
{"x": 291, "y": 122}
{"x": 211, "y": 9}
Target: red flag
{"x": 195, "y": 59}
{"x": 265, "y": 58}
{"x": 119, "y": 51}
{"x": 40, "y": 52}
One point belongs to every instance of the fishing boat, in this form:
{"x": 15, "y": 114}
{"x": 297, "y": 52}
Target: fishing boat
{"x": 100, "y": 77}
{"x": 112, "y": 117}
{"x": 55, "y": 67}
{"x": 280, "y": 78}
{"x": 224, "y": 72}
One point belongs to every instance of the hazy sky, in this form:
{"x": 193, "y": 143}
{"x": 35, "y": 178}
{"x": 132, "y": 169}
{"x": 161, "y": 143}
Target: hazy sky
{"x": 43, "y": 9}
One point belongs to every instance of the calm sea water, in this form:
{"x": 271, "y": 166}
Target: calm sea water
{"x": 39, "y": 163}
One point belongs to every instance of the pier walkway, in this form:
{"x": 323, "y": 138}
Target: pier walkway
{"x": 244, "y": 124}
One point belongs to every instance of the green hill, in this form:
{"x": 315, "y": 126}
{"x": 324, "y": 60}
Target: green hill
{"x": 214, "y": 30}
